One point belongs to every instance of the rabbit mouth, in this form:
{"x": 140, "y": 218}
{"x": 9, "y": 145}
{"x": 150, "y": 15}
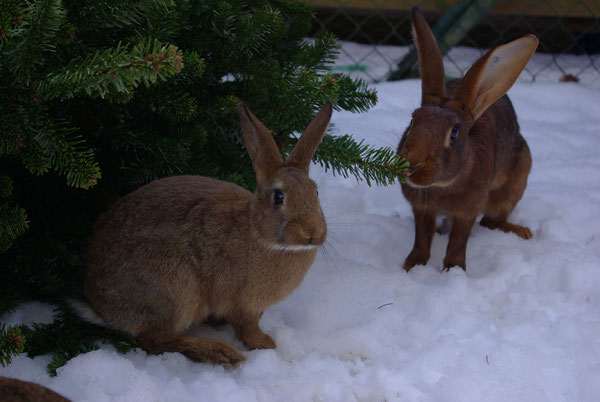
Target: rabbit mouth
{"x": 415, "y": 185}
{"x": 440, "y": 184}
{"x": 420, "y": 176}
{"x": 288, "y": 247}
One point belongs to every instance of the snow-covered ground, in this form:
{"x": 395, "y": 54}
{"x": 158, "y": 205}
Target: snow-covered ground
{"x": 523, "y": 324}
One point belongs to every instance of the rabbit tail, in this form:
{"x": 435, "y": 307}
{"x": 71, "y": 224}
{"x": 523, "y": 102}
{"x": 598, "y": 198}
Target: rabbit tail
{"x": 85, "y": 312}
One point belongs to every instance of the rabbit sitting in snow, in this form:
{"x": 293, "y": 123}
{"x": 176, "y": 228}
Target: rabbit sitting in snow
{"x": 183, "y": 249}
{"x": 466, "y": 153}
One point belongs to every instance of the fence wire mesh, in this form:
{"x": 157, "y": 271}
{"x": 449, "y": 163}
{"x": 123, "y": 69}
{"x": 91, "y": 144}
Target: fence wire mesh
{"x": 376, "y": 40}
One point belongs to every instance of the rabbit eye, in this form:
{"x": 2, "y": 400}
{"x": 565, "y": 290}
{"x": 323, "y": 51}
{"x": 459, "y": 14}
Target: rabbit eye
{"x": 454, "y": 132}
{"x": 278, "y": 196}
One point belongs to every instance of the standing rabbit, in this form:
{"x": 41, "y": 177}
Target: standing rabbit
{"x": 184, "y": 249}
{"x": 466, "y": 153}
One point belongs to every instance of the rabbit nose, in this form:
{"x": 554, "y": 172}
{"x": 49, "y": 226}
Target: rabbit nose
{"x": 315, "y": 235}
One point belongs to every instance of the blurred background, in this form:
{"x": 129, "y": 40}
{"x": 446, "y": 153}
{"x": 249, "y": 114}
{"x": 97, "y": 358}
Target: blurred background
{"x": 375, "y": 35}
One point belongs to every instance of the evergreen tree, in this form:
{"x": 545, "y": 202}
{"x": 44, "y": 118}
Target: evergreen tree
{"x": 99, "y": 97}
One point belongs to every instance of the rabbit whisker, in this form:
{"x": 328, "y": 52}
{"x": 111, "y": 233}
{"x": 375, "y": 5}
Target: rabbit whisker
{"x": 333, "y": 258}
{"x": 287, "y": 247}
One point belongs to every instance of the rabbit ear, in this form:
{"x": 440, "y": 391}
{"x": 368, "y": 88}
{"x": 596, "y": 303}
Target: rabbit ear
{"x": 260, "y": 145}
{"x": 494, "y": 73}
{"x": 431, "y": 65}
{"x": 309, "y": 140}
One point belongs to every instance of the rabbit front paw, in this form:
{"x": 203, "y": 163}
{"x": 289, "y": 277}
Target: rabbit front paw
{"x": 415, "y": 258}
{"x": 247, "y": 330}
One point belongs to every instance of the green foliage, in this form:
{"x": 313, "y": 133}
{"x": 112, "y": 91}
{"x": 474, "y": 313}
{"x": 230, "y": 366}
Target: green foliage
{"x": 66, "y": 337}
{"x": 13, "y": 219}
{"x": 99, "y": 97}
{"x": 343, "y": 155}
{"x": 29, "y": 48}
{"x": 12, "y": 343}
{"x": 39, "y": 275}
{"x": 13, "y": 223}
{"x": 113, "y": 73}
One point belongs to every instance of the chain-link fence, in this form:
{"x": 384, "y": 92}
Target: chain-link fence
{"x": 377, "y": 45}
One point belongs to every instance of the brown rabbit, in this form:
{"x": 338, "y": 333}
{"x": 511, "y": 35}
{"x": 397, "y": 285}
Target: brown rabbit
{"x": 183, "y": 249}
{"x": 466, "y": 153}
{"x": 13, "y": 390}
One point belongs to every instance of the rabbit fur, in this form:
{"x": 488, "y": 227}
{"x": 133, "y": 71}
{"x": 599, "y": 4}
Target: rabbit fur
{"x": 466, "y": 153}
{"x": 14, "y": 390}
{"x": 186, "y": 249}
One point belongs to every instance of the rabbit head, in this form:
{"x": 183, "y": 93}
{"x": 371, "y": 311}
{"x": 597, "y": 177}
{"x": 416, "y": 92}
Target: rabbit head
{"x": 286, "y": 213}
{"x": 435, "y": 143}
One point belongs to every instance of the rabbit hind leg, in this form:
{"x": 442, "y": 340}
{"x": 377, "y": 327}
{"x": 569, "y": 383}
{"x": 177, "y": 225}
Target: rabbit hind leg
{"x": 507, "y": 227}
{"x": 164, "y": 335}
{"x": 506, "y": 192}
{"x": 195, "y": 349}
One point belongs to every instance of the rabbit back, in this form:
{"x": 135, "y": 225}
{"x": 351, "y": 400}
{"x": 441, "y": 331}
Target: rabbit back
{"x": 144, "y": 263}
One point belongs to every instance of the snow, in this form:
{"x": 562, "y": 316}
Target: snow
{"x": 523, "y": 324}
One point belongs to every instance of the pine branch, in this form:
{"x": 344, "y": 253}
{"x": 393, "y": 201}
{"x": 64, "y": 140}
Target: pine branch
{"x": 115, "y": 16}
{"x": 161, "y": 20}
{"x": 163, "y": 157}
{"x": 12, "y": 343}
{"x": 41, "y": 24}
{"x": 67, "y": 155}
{"x": 172, "y": 99}
{"x": 12, "y": 136}
{"x": 13, "y": 219}
{"x": 67, "y": 337}
{"x": 6, "y": 186}
{"x": 354, "y": 95}
{"x": 13, "y": 223}
{"x": 174, "y": 104}
{"x": 298, "y": 17}
{"x": 48, "y": 271}
{"x": 304, "y": 94}
{"x": 12, "y": 13}
{"x": 114, "y": 73}
{"x": 344, "y": 156}
{"x": 51, "y": 144}
{"x": 321, "y": 53}
{"x": 266, "y": 22}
